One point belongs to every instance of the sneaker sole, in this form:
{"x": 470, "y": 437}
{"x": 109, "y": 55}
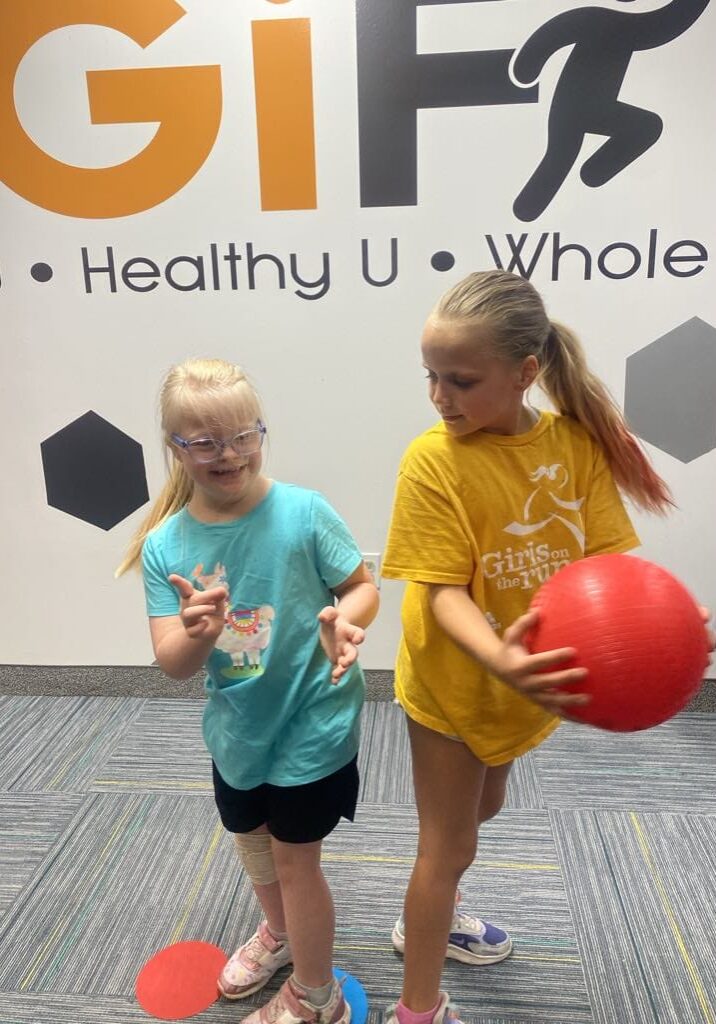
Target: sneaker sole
{"x": 245, "y": 992}
{"x": 455, "y": 953}
{"x": 465, "y": 957}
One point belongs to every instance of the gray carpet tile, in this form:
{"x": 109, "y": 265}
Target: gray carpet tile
{"x": 384, "y": 758}
{"x": 58, "y": 744}
{"x": 669, "y": 768}
{"x": 642, "y": 892}
{"x": 34, "y": 1008}
{"x": 516, "y": 882}
{"x": 133, "y": 874}
{"x": 110, "y": 849}
{"x": 30, "y": 825}
{"x": 163, "y": 751}
{"x": 27, "y": 727}
{"x": 524, "y": 788}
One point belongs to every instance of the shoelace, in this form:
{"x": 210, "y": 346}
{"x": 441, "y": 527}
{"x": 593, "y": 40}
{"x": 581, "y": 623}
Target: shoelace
{"x": 473, "y": 923}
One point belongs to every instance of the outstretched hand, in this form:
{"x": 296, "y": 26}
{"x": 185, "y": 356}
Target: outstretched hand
{"x": 340, "y": 640}
{"x": 201, "y": 611}
{"x": 530, "y": 674}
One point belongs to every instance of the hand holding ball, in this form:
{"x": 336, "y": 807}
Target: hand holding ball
{"x": 637, "y": 631}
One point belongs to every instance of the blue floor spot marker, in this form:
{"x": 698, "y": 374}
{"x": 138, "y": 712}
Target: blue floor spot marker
{"x": 355, "y": 996}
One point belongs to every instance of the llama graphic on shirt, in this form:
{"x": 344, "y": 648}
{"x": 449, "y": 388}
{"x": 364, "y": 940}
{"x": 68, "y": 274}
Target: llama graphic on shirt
{"x": 545, "y": 505}
{"x": 247, "y": 628}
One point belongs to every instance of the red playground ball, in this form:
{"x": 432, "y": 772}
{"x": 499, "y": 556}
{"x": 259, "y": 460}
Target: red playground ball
{"x": 635, "y": 628}
{"x": 180, "y": 980}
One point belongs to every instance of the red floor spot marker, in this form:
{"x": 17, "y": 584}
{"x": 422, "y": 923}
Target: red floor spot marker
{"x": 180, "y": 980}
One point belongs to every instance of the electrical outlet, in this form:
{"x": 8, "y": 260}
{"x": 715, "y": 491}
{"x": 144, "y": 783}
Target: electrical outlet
{"x": 372, "y": 562}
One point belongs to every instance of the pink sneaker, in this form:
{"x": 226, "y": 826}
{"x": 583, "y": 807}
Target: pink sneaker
{"x": 253, "y": 964}
{"x": 289, "y": 1006}
{"x": 445, "y": 1013}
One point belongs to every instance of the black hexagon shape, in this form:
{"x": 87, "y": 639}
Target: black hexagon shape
{"x": 94, "y": 471}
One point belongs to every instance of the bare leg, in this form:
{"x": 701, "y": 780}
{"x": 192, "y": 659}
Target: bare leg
{"x": 271, "y": 900}
{"x": 493, "y": 791}
{"x": 308, "y": 908}
{"x": 449, "y": 782}
{"x": 494, "y": 788}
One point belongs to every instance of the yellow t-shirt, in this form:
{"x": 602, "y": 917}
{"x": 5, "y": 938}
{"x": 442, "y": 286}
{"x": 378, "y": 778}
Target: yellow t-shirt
{"x": 498, "y": 514}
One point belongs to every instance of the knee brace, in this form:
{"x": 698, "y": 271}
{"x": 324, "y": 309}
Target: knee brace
{"x": 254, "y": 849}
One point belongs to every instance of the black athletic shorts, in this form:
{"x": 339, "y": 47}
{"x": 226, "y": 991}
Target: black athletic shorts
{"x": 293, "y": 814}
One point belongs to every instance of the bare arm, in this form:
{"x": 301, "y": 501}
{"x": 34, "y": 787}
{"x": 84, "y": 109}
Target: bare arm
{"x": 342, "y": 627}
{"x": 533, "y": 675}
{"x": 358, "y": 599}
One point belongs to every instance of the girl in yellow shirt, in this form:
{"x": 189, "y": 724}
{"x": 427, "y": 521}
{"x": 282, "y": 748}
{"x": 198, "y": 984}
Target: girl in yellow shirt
{"x": 490, "y": 503}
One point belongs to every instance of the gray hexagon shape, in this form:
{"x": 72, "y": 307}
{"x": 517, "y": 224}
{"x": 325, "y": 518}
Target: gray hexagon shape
{"x": 670, "y": 387}
{"x": 94, "y": 471}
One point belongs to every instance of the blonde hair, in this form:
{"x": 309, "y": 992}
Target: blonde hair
{"x": 209, "y": 391}
{"x": 514, "y": 312}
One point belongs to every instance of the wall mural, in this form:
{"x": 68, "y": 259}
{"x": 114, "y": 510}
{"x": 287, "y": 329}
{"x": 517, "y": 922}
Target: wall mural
{"x": 262, "y": 172}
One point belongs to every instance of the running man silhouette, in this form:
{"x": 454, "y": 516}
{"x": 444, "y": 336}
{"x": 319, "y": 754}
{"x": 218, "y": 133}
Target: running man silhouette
{"x": 585, "y": 97}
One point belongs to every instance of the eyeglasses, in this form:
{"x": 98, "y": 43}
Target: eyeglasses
{"x": 208, "y": 449}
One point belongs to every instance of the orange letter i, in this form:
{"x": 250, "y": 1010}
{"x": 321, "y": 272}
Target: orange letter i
{"x": 284, "y": 113}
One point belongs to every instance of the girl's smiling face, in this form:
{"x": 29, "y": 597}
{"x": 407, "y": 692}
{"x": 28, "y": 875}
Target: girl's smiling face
{"x": 472, "y": 388}
{"x": 230, "y": 484}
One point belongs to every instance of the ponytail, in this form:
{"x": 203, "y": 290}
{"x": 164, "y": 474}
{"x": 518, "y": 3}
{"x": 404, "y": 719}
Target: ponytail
{"x": 174, "y": 496}
{"x": 575, "y": 391}
{"x": 513, "y": 309}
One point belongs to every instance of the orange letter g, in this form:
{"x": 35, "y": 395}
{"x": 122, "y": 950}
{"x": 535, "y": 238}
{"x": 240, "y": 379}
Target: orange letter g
{"x": 186, "y": 101}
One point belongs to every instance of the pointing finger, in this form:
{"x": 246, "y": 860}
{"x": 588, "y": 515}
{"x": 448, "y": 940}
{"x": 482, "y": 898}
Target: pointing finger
{"x": 184, "y": 587}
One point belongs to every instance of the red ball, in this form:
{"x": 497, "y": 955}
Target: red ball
{"x": 635, "y": 628}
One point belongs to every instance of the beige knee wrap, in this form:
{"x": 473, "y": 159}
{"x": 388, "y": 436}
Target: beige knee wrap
{"x": 254, "y": 849}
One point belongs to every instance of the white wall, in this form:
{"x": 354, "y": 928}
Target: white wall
{"x": 340, "y": 376}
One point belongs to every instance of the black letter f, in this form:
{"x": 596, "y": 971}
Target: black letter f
{"x": 394, "y": 82}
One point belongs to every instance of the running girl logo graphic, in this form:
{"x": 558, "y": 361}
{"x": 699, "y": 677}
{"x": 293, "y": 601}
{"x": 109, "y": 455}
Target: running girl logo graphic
{"x": 528, "y": 566}
{"x": 543, "y": 505}
{"x": 394, "y": 82}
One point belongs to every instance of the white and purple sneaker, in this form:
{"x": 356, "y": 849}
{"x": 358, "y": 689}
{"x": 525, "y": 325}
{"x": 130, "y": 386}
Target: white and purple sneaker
{"x": 471, "y": 941}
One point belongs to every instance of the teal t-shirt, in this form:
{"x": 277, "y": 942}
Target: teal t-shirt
{"x": 272, "y": 714}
